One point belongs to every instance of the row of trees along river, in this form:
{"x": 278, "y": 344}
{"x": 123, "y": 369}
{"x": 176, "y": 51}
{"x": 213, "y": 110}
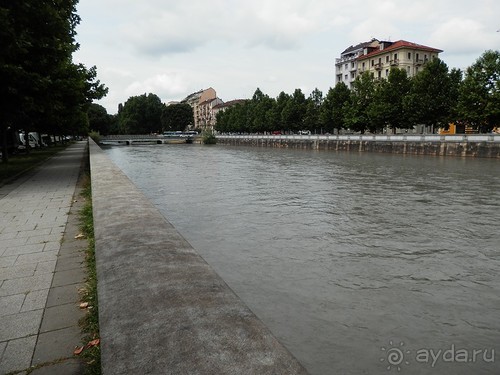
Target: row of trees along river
{"x": 42, "y": 89}
{"x": 436, "y": 96}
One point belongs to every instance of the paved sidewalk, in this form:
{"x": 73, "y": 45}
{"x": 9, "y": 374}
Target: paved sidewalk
{"x": 41, "y": 268}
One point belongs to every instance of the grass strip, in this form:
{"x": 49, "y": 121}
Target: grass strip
{"x": 90, "y": 322}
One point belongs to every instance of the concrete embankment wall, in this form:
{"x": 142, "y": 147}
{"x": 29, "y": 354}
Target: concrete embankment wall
{"x": 475, "y": 146}
{"x": 162, "y": 308}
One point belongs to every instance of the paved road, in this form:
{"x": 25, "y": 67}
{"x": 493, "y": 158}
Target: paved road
{"x": 41, "y": 268}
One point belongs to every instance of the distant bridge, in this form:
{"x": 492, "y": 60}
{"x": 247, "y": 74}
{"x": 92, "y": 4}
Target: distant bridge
{"x": 146, "y": 139}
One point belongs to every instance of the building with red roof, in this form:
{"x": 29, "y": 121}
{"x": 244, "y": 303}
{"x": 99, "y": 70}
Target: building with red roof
{"x": 379, "y": 57}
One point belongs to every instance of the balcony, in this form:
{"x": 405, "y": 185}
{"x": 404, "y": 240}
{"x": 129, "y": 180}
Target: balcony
{"x": 378, "y": 66}
{"x": 395, "y": 62}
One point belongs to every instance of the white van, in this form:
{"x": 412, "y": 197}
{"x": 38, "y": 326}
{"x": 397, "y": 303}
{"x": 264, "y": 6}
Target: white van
{"x": 33, "y": 139}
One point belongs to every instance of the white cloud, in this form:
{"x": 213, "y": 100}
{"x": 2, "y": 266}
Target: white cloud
{"x": 463, "y": 35}
{"x": 164, "y": 85}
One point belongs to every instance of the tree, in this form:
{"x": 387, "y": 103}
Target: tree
{"x": 141, "y": 115}
{"x": 387, "y": 108}
{"x": 294, "y": 111}
{"x": 313, "y": 108}
{"x": 260, "y": 106}
{"x": 99, "y": 119}
{"x": 357, "y": 116}
{"x": 334, "y": 107}
{"x": 42, "y": 89}
{"x": 176, "y": 117}
{"x": 479, "y": 95}
{"x": 431, "y": 101}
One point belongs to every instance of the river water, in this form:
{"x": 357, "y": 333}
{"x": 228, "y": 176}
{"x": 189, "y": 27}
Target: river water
{"x": 359, "y": 263}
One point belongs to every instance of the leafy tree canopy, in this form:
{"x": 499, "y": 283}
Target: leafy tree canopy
{"x": 141, "y": 115}
{"x": 176, "y": 117}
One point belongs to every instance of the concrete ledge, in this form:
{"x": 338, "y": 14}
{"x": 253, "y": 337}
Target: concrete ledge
{"x": 162, "y": 309}
{"x": 486, "y": 146}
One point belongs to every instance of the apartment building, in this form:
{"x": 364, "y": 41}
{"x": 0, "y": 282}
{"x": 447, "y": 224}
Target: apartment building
{"x": 378, "y": 57}
{"x": 346, "y": 67}
{"x": 206, "y": 114}
{"x": 401, "y": 54}
{"x": 195, "y": 99}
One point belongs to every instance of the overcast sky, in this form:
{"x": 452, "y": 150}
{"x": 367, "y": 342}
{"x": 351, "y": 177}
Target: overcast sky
{"x": 174, "y": 48}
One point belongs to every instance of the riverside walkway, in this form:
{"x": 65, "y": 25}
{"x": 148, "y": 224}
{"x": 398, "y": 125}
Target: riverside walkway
{"x": 41, "y": 268}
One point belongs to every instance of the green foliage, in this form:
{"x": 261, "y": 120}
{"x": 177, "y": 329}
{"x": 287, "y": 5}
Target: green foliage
{"x": 430, "y": 100}
{"x": 141, "y": 115}
{"x": 334, "y": 107}
{"x": 42, "y": 89}
{"x": 176, "y": 117}
{"x": 357, "y": 116}
{"x": 387, "y": 107}
{"x": 208, "y": 138}
{"x": 479, "y": 95}
{"x": 99, "y": 120}
{"x": 96, "y": 136}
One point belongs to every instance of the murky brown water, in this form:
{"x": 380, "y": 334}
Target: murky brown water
{"x": 359, "y": 263}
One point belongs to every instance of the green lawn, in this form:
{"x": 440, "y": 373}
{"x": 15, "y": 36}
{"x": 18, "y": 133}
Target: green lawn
{"x": 23, "y": 162}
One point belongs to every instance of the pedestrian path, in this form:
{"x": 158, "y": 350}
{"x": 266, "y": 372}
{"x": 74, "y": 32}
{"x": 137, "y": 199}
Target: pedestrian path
{"x": 41, "y": 269}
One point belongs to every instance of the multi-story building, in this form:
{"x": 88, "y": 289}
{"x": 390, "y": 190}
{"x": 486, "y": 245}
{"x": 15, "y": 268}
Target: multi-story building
{"x": 378, "y": 57}
{"x": 206, "y": 120}
{"x": 346, "y": 67}
{"x": 401, "y": 54}
{"x": 195, "y": 99}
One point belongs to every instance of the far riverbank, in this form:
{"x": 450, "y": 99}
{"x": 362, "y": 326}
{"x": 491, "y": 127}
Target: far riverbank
{"x": 474, "y": 145}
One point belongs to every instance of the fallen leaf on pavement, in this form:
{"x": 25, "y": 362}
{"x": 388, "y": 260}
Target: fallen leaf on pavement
{"x": 78, "y": 350}
{"x": 78, "y": 236}
{"x": 84, "y": 305}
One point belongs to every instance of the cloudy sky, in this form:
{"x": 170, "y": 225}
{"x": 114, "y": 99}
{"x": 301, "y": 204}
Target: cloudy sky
{"x": 173, "y": 48}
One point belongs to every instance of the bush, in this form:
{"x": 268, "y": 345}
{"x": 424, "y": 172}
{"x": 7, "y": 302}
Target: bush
{"x": 96, "y": 136}
{"x": 209, "y": 138}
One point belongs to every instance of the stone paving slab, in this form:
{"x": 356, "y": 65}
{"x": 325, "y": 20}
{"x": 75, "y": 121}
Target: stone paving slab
{"x": 34, "y": 224}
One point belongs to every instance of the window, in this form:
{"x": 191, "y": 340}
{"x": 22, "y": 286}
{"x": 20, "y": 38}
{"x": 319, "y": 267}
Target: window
{"x": 416, "y": 56}
{"x": 379, "y": 74}
{"x": 395, "y": 56}
{"x": 373, "y": 62}
{"x": 387, "y": 72}
{"x": 409, "y": 55}
{"x": 408, "y": 71}
{"x": 346, "y": 77}
{"x": 363, "y": 66}
{"x": 353, "y": 75}
{"x": 352, "y": 65}
{"x": 387, "y": 59}
{"x": 346, "y": 66}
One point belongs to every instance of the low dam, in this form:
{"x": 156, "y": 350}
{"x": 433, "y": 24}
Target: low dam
{"x": 162, "y": 308}
{"x": 476, "y": 145}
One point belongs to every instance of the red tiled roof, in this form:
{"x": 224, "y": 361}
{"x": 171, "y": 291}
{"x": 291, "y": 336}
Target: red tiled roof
{"x": 398, "y": 45}
{"x": 230, "y": 103}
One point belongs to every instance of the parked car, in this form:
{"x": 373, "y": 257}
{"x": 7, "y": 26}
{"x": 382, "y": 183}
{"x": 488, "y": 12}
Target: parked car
{"x": 304, "y": 132}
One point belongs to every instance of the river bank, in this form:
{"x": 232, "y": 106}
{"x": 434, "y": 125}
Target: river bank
{"x": 477, "y": 145}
